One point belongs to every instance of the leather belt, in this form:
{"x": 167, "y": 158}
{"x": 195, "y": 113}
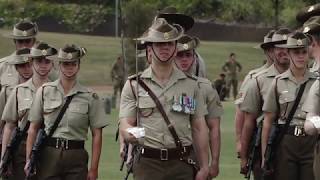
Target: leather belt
{"x": 165, "y": 154}
{"x": 65, "y": 144}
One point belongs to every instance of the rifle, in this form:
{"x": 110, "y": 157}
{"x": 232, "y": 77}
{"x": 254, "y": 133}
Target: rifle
{"x": 253, "y": 151}
{"x": 12, "y": 148}
{"x": 125, "y": 157}
{"x": 270, "y": 149}
{"x": 35, "y": 152}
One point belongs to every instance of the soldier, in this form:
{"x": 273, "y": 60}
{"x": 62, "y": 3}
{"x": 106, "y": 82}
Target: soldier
{"x": 294, "y": 153}
{"x": 167, "y": 142}
{"x": 256, "y": 92}
{"x": 24, "y": 36}
{"x": 19, "y": 102}
{"x": 312, "y": 28}
{"x": 117, "y": 77}
{"x": 63, "y": 155}
{"x": 220, "y": 85}
{"x": 267, "y": 47}
{"x": 172, "y": 16}
{"x": 184, "y": 60}
{"x": 232, "y": 67}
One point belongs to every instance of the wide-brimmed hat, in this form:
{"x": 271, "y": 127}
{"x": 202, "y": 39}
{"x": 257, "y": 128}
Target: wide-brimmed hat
{"x": 42, "y": 49}
{"x": 280, "y": 36}
{"x": 267, "y": 40}
{"x": 23, "y": 30}
{"x": 308, "y": 12}
{"x": 312, "y": 26}
{"x": 162, "y": 31}
{"x": 173, "y": 17}
{"x": 70, "y": 53}
{"x": 296, "y": 40}
{"x": 20, "y": 57}
{"x": 187, "y": 42}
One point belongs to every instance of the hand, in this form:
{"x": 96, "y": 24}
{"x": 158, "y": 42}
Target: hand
{"x": 202, "y": 174}
{"x": 213, "y": 170}
{"x": 243, "y": 166}
{"x": 92, "y": 174}
{"x": 26, "y": 168}
{"x": 130, "y": 138}
{"x": 122, "y": 153}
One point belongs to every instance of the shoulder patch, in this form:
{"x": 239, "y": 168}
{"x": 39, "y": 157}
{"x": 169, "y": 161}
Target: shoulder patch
{"x": 95, "y": 96}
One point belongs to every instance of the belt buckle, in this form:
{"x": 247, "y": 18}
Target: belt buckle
{"x": 299, "y": 131}
{"x": 163, "y": 154}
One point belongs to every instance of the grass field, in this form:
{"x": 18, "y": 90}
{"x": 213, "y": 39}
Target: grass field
{"x": 95, "y": 70}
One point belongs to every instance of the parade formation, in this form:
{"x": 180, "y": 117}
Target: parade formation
{"x": 169, "y": 113}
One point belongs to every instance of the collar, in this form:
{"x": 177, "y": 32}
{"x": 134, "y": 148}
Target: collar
{"x": 288, "y": 75}
{"x": 272, "y": 71}
{"x": 77, "y": 88}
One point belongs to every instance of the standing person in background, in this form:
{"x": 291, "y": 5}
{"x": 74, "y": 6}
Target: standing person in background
{"x": 184, "y": 60}
{"x": 63, "y": 155}
{"x": 220, "y": 85}
{"x": 117, "y": 77}
{"x": 16, "y": 111}
{"x": 231, "y": 68}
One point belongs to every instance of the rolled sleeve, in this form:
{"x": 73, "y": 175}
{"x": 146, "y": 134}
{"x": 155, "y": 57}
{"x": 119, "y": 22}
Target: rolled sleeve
{"x": 9, "y": 113}
{"x": 252, "y": 99}
{"x": 270, "y": 104}
{"x": 214, "y": 105}
{"x": 97, "y": 115}
{"x": 201, "y": 107}
{"x": 36, "y": 110}
{"x": 128, "y": 106}
{"x": 311, "y": 105}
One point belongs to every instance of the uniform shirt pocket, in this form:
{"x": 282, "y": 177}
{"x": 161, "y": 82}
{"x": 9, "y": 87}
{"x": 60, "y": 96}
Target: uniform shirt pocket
{"x": 146, "y": 106}
{"x": 51, "y": 105}
{"x": 285, "y": 99}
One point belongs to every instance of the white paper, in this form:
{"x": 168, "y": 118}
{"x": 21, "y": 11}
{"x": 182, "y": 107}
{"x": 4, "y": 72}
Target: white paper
{"x": 137, "y": 132}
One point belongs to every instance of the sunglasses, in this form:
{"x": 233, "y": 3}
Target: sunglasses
{"x": 24, "y": 41}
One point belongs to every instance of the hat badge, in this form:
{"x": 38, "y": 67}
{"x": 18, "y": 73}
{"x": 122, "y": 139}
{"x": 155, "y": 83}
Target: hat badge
{"x": 311, "y": 9}
{"x": 284, "y": 37}
{"x": 24, "y": 33}
{"x": 69, "y": 56}
{"x": 306, "y": 29}
{"x": 185, "y": 46}
{"x": 166, "y": 35}
{"x": 44, "y": 52}
{"x": 299, "y": 42}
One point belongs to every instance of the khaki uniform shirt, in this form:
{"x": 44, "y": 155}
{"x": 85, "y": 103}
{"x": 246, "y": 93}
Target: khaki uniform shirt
{"x": 312, "y": 103}
{"x": 84, "y": 111}
{"x": 232, "y": 68}
{"x": 8, "y": 72}
{"x": 288, "y": 88}
{"x": 211, "y": 99}
{"x": 257, "y": 90}
{"x": 245, "y": 82}
{"x": 19, "y": 103}
{"x": 157, "y": 134}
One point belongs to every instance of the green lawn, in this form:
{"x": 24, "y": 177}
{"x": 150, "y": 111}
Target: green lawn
{"x": 102, "y": 51}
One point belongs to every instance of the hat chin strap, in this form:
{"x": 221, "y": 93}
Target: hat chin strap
{"x": 157, "y": 57}
{"x": 72, "y": 75}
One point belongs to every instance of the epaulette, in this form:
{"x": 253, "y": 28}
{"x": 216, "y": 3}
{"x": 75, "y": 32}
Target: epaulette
{"x": 204, "y": 80}
{"x": 132, "y": 77}
{"x": 193, "y": 77}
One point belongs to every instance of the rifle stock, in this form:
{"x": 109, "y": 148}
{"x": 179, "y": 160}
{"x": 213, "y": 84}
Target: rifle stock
{"x": 35, "y": 152}
{"x": 270, "y": 149}
{"x": 254, "y": 149}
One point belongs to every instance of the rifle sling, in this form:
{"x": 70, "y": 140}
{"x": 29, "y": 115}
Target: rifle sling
{"x": 164, "y": 115}
{"x": 292, "y": 111}
{"x": 60, "y": 115}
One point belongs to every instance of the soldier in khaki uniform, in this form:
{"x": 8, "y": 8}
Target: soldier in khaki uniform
{"x": 117, "y": 77}
{"x": 184, "y": 60}
{"x": 312, "y": 28}
{"x": 24, "y": 36}
{"x": 231, "y": 68}
{"x": 160, "y": 158}
{"x": 256, "y": 94}
{"x": 19, "y": 102}
{"x": 267, "y": 47}
{"x": 64, "y": 156}
{"x": 172, "y": 16}
{"x": 294, "y": 154}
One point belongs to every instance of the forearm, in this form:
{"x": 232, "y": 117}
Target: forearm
{"x": 215, "y": 140}
{"x": 96, "y": 148}
{"x": 247, "y": 132}
{"x": 267, "y": 123}
{"x": 32, "y": 134}
{"x": 239, "y": 121}
{"x": 200, "y": 139}
{"x": 7, "y": 131}
{"x": 126, "y": 123}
